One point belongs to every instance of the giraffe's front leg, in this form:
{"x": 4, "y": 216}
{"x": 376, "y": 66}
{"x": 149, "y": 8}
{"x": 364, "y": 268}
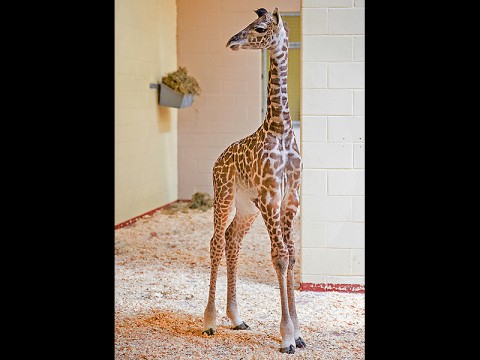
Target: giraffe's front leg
{"x": 280, "y": 260}
{"x": 287, "y": 329}
{"x": 289, "y": 211}
{"x": 299, "y": 342}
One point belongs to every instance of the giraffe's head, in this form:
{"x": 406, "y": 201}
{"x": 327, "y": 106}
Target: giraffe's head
{"x": 266, "y": 32}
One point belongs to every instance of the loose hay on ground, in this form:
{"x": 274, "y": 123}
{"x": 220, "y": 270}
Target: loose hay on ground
{"x": 161, "y": 289}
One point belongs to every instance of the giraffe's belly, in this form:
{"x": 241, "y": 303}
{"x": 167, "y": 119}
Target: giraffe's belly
{"x": 245, "y": 197}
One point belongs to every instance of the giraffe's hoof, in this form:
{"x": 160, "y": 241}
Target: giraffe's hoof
{"x": 300, "y": 343}
{"x": 288, "y": 350}
{"x": 242, "y": 326}
{"x": 208, "y": 332}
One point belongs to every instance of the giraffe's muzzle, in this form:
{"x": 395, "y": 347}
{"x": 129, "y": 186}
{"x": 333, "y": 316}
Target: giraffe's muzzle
{"x": 234, "y": 43}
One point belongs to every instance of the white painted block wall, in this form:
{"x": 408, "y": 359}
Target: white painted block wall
{"x": 333, "y": 141}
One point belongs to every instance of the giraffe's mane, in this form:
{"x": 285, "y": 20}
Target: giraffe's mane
{"x": 285, "y": 26}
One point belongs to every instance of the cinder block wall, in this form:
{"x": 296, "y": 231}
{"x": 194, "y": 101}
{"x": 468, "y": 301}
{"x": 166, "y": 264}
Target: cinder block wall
{"x": 229, "y": 107}
{"x": 333, "y": 142}
{"x": 145, "y": 133}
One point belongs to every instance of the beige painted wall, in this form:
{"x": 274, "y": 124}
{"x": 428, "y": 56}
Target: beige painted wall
{"x": 229, "y": 107}
{"x": 145, "y": 133}
{"x": 333, "y": 142}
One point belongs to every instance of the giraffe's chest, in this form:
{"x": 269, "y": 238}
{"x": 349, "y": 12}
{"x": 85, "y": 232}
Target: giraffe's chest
{"x": 280, "y": 153}
{"x": 269, "y": 162}
{"x": 279, "y": 162}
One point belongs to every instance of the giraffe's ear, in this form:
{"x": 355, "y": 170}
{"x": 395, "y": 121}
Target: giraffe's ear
{"x": 276, "y": 17}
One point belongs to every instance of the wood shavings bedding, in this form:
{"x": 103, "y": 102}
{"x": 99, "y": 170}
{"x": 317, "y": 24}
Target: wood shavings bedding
{"x": 161, "y": 288}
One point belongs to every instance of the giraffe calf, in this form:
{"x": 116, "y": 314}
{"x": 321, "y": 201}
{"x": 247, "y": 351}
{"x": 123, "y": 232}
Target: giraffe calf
{"x": 260, "y": 174}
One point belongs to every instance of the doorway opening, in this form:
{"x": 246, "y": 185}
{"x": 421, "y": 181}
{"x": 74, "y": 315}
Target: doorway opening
{"x": 294, "y": 25}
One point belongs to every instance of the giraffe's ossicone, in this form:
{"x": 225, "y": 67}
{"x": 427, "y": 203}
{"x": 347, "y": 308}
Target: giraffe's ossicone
{"x": 260, "y": 174}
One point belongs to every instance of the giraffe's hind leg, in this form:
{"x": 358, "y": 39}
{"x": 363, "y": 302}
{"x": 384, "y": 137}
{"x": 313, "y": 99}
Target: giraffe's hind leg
{"x": 245, "y": 215}
{"x": 222, "y": 205}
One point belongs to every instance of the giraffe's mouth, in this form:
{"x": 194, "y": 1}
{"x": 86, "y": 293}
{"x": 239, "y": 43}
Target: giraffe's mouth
{"x": 234, "y": 43}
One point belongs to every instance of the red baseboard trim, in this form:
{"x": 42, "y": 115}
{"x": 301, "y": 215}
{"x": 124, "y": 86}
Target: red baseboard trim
{"x": 348, "y": 288}
{"x": 149, "y": 213}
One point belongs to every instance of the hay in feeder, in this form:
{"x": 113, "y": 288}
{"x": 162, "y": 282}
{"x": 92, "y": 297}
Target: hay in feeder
{"x": 181, "y": 82}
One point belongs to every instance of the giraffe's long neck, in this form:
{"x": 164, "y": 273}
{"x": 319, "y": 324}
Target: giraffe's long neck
{"x": 277, "y": 118}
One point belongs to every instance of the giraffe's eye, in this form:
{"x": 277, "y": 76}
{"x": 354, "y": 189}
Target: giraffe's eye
{"x": 260, "y": 30}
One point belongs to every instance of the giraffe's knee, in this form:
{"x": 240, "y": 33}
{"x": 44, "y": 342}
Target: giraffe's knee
{"x": 280, "y": 263}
